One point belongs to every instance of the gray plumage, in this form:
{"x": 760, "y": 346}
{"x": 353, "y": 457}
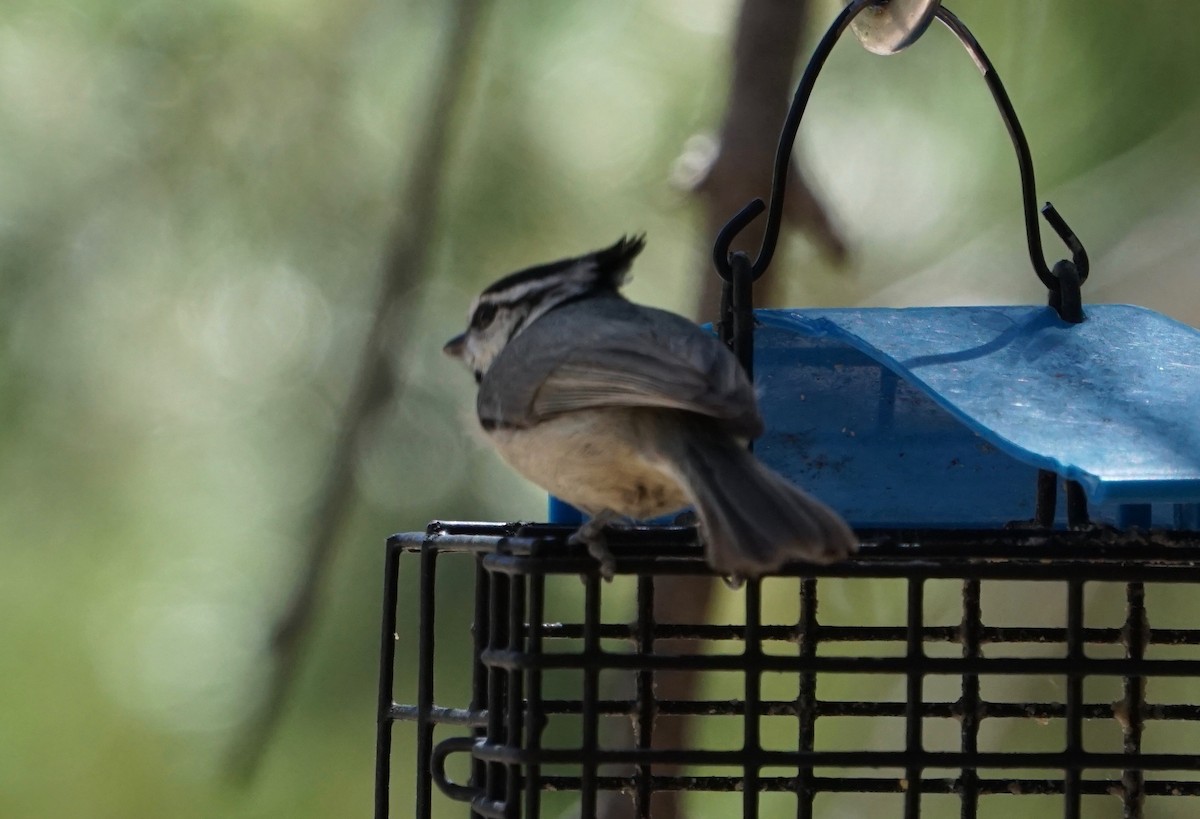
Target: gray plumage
{"x": 625, "y": 410}
{"x": 605, "y": 351}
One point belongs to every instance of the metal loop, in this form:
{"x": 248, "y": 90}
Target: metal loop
{"x": 437, "y": 769}
{"x": 787, "y": 138}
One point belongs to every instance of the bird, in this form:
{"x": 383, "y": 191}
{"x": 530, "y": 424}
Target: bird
{"x": 631, "y": 413}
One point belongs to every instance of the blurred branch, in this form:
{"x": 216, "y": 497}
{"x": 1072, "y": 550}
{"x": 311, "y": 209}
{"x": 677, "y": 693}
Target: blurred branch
{"x": 768, "y": 38}
{"x": 376, "y": 384}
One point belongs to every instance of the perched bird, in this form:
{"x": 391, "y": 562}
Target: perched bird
{"x": 627, "y": 411}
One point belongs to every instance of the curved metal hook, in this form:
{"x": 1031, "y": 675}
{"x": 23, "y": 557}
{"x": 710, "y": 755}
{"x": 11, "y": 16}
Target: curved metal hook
{"x": 783, "y": 155}
{"x": 1033, "y": 235}
{"x": 1078, "y": 255}
{"x": 437, "y": 769}
{"x": 787, "y": 138}
{"x": 481, "y": 805}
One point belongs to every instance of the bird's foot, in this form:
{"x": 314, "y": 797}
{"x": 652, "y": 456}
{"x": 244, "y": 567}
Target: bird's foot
{"x": 687, "y": 518}
{"x": 592, "y": 535}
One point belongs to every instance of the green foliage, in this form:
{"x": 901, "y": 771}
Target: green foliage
{"x": 194, "y": 202}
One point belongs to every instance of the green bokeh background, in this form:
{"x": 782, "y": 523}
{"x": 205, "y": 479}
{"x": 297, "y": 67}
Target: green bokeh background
{"x": 194, "y": 202}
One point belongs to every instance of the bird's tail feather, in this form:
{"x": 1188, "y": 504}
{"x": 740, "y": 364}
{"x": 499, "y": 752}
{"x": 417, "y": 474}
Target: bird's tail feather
{"x": 752, "y": 519}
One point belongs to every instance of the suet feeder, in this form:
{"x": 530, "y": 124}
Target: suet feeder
{"x": 943, "y": 435}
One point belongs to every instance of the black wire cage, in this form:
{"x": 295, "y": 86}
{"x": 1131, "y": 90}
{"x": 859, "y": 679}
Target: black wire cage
{"x": 1040, "y": 665}
{"x": 1115, "y": 733}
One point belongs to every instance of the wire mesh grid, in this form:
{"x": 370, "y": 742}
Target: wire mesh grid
{"x": 1080, "y": 704}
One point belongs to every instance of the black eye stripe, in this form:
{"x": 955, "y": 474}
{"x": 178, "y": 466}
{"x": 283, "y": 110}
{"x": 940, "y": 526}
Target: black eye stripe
{"x": 484, "y": 315}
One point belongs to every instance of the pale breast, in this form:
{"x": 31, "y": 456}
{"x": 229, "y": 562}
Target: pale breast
{"x": 594, "y": 460}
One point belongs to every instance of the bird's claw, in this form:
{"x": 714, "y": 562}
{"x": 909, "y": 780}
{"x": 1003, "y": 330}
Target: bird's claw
{"x": 592, "y": 535}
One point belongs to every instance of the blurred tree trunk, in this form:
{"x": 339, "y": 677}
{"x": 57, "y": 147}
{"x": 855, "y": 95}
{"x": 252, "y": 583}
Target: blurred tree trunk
{"x": 766, "y": 43}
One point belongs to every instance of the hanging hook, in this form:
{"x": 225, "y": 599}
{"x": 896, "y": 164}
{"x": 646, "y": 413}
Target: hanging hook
{"x": 783, "y": 154}
{"x": 1033, "y": 234}
{"x": 787, "y": 138}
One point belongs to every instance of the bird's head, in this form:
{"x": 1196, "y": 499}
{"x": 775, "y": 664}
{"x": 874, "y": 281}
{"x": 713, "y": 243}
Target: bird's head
{"x": 510, "y": 305}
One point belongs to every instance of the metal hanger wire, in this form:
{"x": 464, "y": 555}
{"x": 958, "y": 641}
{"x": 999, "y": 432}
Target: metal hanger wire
{"x": 1061, "y": 281}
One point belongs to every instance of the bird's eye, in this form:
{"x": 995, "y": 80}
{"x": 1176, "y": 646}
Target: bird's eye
{"x": 484, "y": 315}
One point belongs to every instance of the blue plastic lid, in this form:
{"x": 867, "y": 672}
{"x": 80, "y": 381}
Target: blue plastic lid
{"x": 1113, "y": 403}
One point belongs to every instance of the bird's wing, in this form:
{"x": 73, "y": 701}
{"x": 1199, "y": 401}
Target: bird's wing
{"x": 612, "y": 353}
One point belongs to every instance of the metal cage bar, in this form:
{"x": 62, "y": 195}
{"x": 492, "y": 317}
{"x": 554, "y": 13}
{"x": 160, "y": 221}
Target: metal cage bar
{"x": 1073, "y": 775}
{"x": 969, "y": 705}
{"x": 515, "y": 645}
{"x": 645, "y": 703}
{"x": 534, "y": 710}
{"x": 591, "y": 695}
{"x": 808, "y": 631}
{"x": 1132, "y": 708}
{"x": 915, "y": 652}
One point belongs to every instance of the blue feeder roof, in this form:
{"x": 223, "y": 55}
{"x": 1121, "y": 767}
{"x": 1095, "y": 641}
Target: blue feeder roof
{"x": 1113, "y": 403}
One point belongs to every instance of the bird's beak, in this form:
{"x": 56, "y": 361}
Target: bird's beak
{"x": 454, "y": 347}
